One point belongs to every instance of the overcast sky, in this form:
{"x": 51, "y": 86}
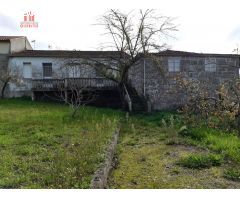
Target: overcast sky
{"x": 204, "y": 26}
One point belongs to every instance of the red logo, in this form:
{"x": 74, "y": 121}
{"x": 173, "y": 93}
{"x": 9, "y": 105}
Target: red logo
{"x": 29, "y": 21}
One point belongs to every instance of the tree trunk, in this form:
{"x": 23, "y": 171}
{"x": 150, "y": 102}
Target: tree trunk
{"x": 122, "y": 95}
{"x": 238, "y": 121}
{"x": 3, "y": 89}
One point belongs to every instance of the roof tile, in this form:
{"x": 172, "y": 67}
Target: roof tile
{"x": 192, "y": 54}
{"x": 66, "y": 54}
{"x": 7, "y": 38}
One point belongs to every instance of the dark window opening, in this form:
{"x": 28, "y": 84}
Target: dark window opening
{"x": 47, "y": 70}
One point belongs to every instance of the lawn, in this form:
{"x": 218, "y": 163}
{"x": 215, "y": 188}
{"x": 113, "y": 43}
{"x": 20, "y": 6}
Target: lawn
{"x": 154, "y": 153}
{"x": 42, "y": 147}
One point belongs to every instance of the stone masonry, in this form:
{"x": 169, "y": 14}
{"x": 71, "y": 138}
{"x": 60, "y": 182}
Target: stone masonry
{"x": 158, "y": 85}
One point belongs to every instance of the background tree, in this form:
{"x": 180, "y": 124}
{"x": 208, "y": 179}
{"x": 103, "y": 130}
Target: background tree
{"x": 9, "y": 75}
{"x": 134, "y": 35}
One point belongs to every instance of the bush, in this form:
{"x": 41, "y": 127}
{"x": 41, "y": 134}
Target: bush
{"x": 201, "y": 161}
{"x": 232, "y": 174}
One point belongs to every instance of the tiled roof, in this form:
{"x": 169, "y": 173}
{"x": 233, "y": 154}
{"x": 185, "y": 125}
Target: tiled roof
{"x": 107, "y": 54}
{"x": 6, "y": 38}
{"x": 66, "y": 54}
{"x": 192, "y": 54}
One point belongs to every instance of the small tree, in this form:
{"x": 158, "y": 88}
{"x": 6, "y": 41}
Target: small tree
{"x": 8, "y": 75}
{"x": 73, "y": 91}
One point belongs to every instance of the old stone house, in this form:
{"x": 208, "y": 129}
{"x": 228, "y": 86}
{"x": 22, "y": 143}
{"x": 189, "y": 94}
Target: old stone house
{"x": 156, "y": 81}
{"x": 40, "y": 71}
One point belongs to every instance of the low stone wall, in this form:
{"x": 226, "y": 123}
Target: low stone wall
{"x": 100, "y": 177}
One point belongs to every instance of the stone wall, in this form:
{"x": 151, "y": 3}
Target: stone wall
{"x": 160, "y": 86}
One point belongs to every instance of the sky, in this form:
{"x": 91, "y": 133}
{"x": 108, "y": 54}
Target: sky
{"x": 205, "y": 26}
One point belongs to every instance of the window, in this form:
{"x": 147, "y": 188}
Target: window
{"x": 47, "y": 70}
{"x": 210, "y": 65}
{"x": 174, "y": 64}
{"x": 27, "y": 70}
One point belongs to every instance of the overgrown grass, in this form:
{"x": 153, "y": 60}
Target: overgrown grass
{"x": 232, "y": 174}
{"x": 218, "y": 141}
{"x": 199, "y": 161}
{"x": 41, "y": 147}
{"x": 151, "y": 146}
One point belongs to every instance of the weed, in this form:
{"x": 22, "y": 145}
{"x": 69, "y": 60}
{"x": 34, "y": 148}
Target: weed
{"x": 192, "y": 133}
{"x": 232, "y": 174}
{"x": 42, "y": 148}
{"x": 175, "y": 172}
{"x": 199, "y": 161}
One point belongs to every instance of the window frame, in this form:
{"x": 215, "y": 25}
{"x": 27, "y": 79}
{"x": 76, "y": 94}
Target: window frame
{"x": 174, "y": 64}
{"x": 210, "y": 65}
{"x": 49, "y": 66}
{"x": 25, "y": 64}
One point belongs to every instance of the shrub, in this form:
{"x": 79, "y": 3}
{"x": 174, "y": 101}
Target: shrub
{"x": 232, "y": 174}
{"x": 201, "y": 161}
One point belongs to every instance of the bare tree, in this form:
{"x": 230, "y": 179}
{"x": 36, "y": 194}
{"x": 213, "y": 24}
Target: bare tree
{"x": 9, "y": 75}
{"x": 134, "y": 36}
{"x": 75, "y": 87}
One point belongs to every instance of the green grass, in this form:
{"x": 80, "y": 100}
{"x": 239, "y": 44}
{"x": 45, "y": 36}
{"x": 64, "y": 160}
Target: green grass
{"x": 150, "y": 150}
{"x": 232, "y": 174}
{"x": 42, "y": 147}
{"x": 199, "y": 161}
{"x": 227, "y": 144}
{"x": 194, "y": 134}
